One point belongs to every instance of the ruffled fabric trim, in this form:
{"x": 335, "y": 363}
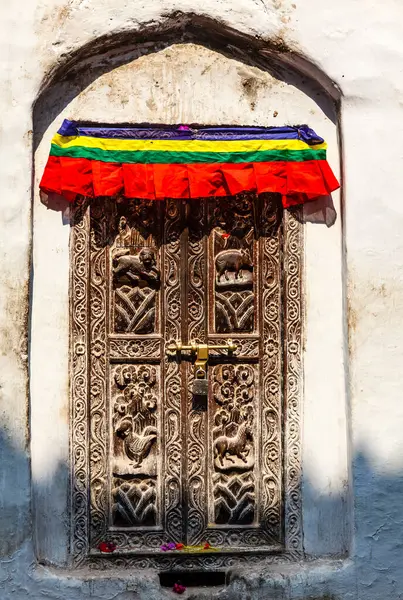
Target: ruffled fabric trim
{"x": 297, "y": 182}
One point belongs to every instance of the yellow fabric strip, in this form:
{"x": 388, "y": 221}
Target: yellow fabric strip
{"x": 182, "y": 146}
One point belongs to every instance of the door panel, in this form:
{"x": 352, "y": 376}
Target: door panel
{"x": 133, "y": 277}
{"x": 146, "y": 479}
{"x": 234, "y": 467}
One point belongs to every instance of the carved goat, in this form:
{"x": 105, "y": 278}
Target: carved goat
{"x": 232, "y": 260}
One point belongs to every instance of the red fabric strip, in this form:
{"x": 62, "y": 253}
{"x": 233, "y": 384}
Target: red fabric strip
{"x": 171, "y": 181}
{"x": 76, "y": 176}
{"x": 107, "y": 178}
{"x": 307, "y": 181}
{"x": 271, "y": 177}
{"x": 240, "y": 177}
{"x": 139, "y": 181}
{"x": 297, "y": 182}
{"x": 307, "y": 184}
{"x": 51, "y": 178}
{"x": 328, "y": 176}
{"x": 207, "y": 181}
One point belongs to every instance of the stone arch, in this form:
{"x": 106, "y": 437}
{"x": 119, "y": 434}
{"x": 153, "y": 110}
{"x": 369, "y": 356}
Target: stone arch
{"x": 111, "y": 50}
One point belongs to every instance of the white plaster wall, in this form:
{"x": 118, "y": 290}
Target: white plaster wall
{"x": 358, "y": 46}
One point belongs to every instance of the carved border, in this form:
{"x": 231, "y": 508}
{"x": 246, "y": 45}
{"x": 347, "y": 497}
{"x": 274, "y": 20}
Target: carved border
{"x": 172, "y": 413}
{"x": 79, "y": 362}
{"x": 187, "y": 562}
{"x": 79, "y": 282}
{"x": 197, "y": 329}
{"x": 272, "y": 301}
{"x": 293, "y": 379}
{"x": 98, "y": 360}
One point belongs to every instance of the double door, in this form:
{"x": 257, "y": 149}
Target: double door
{"x": 165, "y": 464}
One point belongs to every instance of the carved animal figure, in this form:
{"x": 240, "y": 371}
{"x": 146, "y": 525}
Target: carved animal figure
{"x": 136, "y": 267}
{"x": 232, "y": 260}
{"x": 233, "y": 445}
{"x": 137, "y": 447}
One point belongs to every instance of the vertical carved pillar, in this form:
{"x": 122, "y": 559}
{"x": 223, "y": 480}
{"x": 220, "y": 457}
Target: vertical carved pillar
{"x": 79, "y": 411}
{"x": 197, "y": 298}
{"x": 98, "y": 356}
{"x": 271, "y": 344}
{"x": 172, "y": 467}
{"x": 293, "y": 381}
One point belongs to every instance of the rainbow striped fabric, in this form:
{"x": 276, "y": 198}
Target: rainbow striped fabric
{"x": 188, "y": 162}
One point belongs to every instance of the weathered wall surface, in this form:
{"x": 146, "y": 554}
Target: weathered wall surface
{"x": 354, "y": 272}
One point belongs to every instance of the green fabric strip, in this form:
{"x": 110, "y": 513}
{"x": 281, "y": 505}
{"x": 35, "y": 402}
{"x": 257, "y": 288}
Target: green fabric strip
{"x": 164, "y": 157}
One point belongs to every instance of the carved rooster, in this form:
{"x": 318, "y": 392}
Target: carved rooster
{"x": 137, "y": 446}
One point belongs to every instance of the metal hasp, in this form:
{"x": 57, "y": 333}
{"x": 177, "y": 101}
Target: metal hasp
{"x": 202, "y": 354}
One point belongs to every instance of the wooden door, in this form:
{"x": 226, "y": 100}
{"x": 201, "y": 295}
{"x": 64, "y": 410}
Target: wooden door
{"x": 162, "y": 464}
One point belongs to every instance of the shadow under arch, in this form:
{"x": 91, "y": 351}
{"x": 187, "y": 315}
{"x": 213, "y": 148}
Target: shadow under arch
{"x": 79, "y": 69}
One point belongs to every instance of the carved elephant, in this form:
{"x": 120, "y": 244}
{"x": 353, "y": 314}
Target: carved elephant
{"x": 232, "y": 260}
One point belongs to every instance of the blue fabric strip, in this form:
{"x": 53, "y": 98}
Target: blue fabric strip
{"x": 183, "y": 132}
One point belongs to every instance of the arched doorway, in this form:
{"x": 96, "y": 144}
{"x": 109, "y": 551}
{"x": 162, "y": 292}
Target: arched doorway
{"x": 96, "y": 481}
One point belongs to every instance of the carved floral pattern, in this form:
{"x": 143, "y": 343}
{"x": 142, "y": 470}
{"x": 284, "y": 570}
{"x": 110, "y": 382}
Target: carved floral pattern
{"x": 100, "y": 217}
{"x": 293, "y": 233}
{"x": 137, "y": 348}
{"x": 79, "y": 324}
{"x": 197, "y": 322}
{"x": 173, "y": 521}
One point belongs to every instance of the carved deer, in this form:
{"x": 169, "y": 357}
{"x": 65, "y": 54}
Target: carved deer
{"x": 233, "y": 445}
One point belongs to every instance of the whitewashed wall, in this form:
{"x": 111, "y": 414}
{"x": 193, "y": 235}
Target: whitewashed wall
{"x": 351, "y": 434}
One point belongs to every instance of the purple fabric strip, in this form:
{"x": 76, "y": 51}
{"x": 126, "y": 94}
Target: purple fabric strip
{"x": 183, "y": 132}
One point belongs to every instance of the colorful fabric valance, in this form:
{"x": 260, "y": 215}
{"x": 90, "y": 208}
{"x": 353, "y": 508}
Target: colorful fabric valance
{"x": 186, "y": 162}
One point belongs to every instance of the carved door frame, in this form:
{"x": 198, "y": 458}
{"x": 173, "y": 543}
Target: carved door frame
{"x": 82, "y": 294}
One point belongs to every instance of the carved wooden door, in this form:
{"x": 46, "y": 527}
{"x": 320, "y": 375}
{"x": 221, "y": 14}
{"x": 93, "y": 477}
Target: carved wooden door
{"x": 162, "y": 467}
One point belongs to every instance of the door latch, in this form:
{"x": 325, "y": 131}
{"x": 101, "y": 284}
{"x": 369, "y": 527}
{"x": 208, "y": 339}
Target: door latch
{"x": 200, "y": 383}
